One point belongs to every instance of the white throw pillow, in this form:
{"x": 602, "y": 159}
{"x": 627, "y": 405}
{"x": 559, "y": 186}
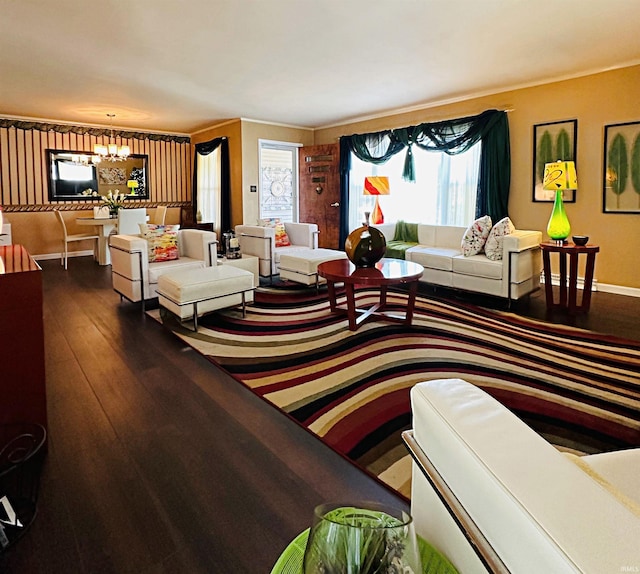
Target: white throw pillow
{"x": 493, "y": 246}
{"x": 476, "y": 236}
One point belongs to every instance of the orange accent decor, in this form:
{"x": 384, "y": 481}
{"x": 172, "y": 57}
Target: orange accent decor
{"x": 377, "y": 216}
{"x": 376, "y": 185}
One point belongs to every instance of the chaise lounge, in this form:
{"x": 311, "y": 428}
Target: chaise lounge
{"x": 136, "y": 278}
{"x": 261, "y": 242}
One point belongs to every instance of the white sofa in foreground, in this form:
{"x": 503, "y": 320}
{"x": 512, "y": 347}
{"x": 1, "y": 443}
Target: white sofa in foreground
{"x": 261, "y": 243}
{"x": 494, "y": 496}
{"x": 439, "y": 252}
{"x": 137, "y": 280}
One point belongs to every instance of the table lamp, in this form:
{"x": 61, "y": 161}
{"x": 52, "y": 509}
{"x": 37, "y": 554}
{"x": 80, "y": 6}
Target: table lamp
{"x": 132, "y": 184}
{"x": 558, "y": 176}
{"x": 376, "y": 185}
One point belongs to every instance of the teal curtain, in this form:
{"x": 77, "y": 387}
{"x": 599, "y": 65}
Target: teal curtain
{"x": 452, "y": 137}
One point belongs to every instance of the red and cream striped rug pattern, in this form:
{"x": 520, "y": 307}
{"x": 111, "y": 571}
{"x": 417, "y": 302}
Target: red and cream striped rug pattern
{"x": 579, "y": 389}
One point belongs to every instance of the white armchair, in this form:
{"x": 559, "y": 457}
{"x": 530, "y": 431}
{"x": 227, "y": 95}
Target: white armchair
{"x": 494, "y": 496}
{"x": 261, "y": 243}
{"x": 134, "y": 278}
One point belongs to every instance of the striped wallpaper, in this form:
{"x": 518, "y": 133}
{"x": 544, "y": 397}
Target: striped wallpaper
{"x": 23, "y": 169}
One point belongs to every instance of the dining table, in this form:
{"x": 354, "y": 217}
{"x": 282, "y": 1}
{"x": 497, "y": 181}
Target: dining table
{"x": 104, "y": 227}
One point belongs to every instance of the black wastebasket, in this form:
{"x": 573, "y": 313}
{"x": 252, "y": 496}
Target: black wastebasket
{"x": 21, "y": 455}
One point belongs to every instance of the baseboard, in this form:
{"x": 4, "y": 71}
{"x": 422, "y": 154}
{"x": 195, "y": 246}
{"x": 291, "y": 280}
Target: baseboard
{"x": 604, "y": 287}
{"x": 555, "y": 280}
{"x": 620, "y": 290}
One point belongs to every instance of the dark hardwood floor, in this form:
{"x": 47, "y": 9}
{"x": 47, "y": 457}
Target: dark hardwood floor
{"x": 160, "y": 462}
{"x": 157, "y": 460}
{"x": 610, "y": 314}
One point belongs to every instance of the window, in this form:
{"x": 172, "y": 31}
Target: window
{"x": 444, "y": 192}
{"x": 208, "y": 187}
{"x": 278, "y": 180}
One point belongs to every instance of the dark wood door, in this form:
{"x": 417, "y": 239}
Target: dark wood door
{"x": 319, "y": 182}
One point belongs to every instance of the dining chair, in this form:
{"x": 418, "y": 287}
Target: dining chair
{"x": 69, "y": 238}
{"x": 129, "y": 220}
{"x": 159, "y": 215}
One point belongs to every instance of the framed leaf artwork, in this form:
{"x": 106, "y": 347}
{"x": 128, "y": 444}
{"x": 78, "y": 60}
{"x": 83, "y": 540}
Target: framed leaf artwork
{"x": 621, "y": 171}
{"x": 553, "y": 141}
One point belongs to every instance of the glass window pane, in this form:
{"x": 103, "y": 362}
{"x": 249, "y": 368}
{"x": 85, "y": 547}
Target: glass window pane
{"x": 278, "y": 181}
{"x": 444, "y": 192}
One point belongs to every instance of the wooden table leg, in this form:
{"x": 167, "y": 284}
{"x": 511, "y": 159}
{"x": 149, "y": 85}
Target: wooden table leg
{"x": 331, "y": 291}
{"x": 548, "y": 287}
{"x": 572, "y": 303}
{"x": 383, "y": 297}
{"x": 411, "y": 302}
{"x": 351, "y": 306}
{"x": 588, "y": 280}
{"x": 563, "y": 279}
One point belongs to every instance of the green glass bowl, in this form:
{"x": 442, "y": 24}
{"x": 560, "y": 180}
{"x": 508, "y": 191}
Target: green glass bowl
{"x": 290, "y": 561}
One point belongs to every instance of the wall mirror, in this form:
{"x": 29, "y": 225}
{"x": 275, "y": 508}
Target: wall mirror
{"x": 72, "y": 176}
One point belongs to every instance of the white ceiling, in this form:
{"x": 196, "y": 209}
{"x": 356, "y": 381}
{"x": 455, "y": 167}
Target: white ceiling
{"x": 179, "y": 66}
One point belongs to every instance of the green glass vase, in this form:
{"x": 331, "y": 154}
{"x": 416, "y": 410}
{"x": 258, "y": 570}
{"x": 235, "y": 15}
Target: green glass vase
{"x": 558, "y": 227}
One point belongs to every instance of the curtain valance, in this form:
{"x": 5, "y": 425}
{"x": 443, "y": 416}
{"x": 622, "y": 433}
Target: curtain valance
{"x": 92, "y": 131}
{"x": 451, "y": 137}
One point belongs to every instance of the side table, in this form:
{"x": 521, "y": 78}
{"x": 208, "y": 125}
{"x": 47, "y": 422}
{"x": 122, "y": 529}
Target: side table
{"x": 569, "y": 285}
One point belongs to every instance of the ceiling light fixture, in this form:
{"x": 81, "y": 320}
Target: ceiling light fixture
{"x": 112, "y": 151}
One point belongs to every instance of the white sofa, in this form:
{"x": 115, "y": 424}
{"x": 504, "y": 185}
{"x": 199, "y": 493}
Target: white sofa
{"x": 137, "y": 280}
{"x": 261, "y": 242}
{"x": 439, "y": 252}
{"x": 494, "y": 496}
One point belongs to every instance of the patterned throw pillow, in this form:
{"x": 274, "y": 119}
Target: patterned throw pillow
{"x": 493, "y": 246}
{"x": 282, "y": 239}
{"x": 162, "y": 241}
{"x": 476, "y": 236}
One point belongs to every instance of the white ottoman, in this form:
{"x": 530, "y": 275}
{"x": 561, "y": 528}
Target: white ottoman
{"x": 302, "y": 265}
{"x": 194, "y": 292}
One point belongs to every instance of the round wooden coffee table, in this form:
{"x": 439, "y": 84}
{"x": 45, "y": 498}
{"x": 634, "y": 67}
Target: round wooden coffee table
{"x": 385, "y": 273}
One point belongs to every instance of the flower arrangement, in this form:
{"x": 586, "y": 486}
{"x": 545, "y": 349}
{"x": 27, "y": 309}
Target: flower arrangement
{"x": 113, "y": 201}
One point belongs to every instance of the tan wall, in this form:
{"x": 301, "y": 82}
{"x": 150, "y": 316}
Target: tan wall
{"x": 251, "y": 133}
{"x": 595, "y": 101}
{"x": 232, "y": 130}
{"x": 24, "y": 187}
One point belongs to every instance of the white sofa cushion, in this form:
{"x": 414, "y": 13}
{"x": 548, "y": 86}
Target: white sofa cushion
{"x": 448, "y": 236}
{"x": 621, "y": 469}
{"x": 160, "y": 268}
{"x": 477, "y": 266}
{"x": 433, "y": 257}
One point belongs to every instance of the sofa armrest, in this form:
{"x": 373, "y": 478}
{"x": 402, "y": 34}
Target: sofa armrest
{"x": 521, "y": 240}
{"x": 305, "y": 234}
{"x": 259, "y": 242}
{"x": 199, "y": 244}
{"x": 129, "y": 256}
{"x": 539, "y": 511}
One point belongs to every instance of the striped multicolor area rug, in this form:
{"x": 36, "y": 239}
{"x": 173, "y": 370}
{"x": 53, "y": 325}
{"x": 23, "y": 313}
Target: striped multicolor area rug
{"x": 579, "y": 389}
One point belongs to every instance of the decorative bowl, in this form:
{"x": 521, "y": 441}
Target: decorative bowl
{"x": 580, "y": 239}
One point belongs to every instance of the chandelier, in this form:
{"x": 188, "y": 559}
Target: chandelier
{"x": 111, "y": 151}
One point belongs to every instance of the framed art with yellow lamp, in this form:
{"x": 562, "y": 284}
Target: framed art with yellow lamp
{"x": 553, "y": 141}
